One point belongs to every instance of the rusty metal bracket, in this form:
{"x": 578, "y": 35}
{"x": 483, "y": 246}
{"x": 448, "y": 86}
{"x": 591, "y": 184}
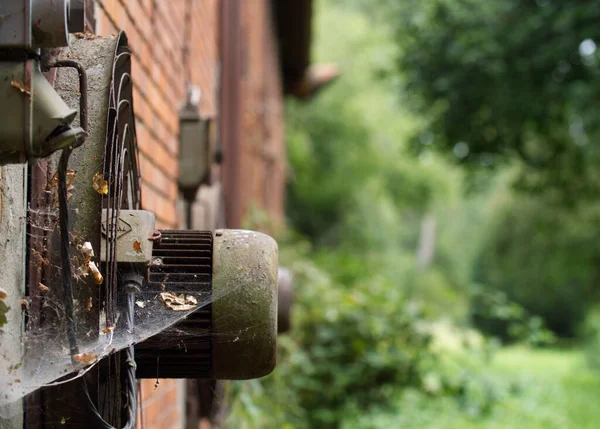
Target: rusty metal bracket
{"x": 83, "y": 90}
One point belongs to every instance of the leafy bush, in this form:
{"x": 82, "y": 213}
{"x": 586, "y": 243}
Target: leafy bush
{"x": 350, "y": 343}
{"x": 354, "y": 348}
{"x": 362, "y": 349}
{"x": 494, "y": 313}
{"x": 591, "y": 335}
{"x": 543, "y": 258}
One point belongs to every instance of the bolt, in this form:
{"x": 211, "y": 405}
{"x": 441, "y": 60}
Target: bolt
{"x": 219, "y": 232}
{"x": 156, "y": 236}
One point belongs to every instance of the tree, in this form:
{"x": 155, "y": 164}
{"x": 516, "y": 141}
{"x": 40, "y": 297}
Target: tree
{"x": 500, "y": 78}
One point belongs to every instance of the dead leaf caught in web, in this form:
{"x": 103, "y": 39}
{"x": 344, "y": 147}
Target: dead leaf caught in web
{"x": 87, "y": 251}
{"x": 52, "y": 185}
{"x": 95, "y": 272}
{"x": 21, "y": 87}
{"x": 178, "y": 303}
{"x": 100, "y": 185}
{"x": 39, "y": 258}
{"x": 86, "y": 358}
{"x": 137, "y": 246}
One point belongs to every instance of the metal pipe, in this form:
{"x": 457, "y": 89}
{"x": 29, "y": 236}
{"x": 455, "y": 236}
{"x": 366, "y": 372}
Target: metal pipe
{"x": 83, "y": 86}
{"x": 230, "y": 107}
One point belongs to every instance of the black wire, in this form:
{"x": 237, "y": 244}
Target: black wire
{"x": 69, "y": 310}
{"x": 64, "y": 209}
{"x": 67, "y": 272}
{"x": 68, "y": 302}
{"x": 64, "y": 252}
{"x": 132, "y": 390}
{"x": 131, "y": 366}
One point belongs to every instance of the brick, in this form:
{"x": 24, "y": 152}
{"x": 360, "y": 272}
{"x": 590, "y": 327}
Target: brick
{"x": 165, "y": 185}
{"x": 163, "y": 208}
{"x": 159, "y": 88}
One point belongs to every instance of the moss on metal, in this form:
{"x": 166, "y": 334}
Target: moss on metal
{"x": 244, "y": 304}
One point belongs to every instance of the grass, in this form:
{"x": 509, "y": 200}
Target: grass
{"x": 540, "y": 389}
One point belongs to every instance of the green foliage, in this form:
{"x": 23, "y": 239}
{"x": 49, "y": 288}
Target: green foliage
{"x": 364, "y": 350}
{"x": 354, "y": 348}
{"x": 350, "y": 168}
{"x": 355, "y": 190}
{"x": 533, "y": 389}
{"x": 352, "y": 343}
{"x": 590, "y": 334}
{"x": 494, "y": 313}
{"x": 358, "y": 342}
{"x": 489, "y": 91}
{"x": 486, "y": 86}
{"x": 544, "y": 260}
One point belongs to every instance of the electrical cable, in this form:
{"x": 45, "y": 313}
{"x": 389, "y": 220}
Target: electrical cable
{"x": 68, "y": 302}
{"x": 132, "y": 388}
{"x": 63, "y": 207}
{"x": 64, "y": 252}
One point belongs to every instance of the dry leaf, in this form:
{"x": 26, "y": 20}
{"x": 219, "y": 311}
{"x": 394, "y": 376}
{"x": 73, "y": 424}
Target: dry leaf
{"x": 20, "y": 86}
{"x": 3, "y": 293}
{"x": 108, "y": 329}
{"x": 178, "y": 303}
{"x": 140, "y": 304}
{"x": 87, "y": 251}
{"x": 53, "y": 183}
{"x": 24, "y": 304}
{"x": 85, "y": 358}
{"x": 100, "y": 185}
{"x": 43, "y": 287}
{"x": 70, "y": 178}
{"x": 89, "y": 305}
{"x": 39, "y": 257}
{"x": 95, "y": 272}
{"x": 137, "y": 246}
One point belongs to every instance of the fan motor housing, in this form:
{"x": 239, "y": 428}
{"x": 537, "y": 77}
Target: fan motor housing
{"x": 232, "y": 336}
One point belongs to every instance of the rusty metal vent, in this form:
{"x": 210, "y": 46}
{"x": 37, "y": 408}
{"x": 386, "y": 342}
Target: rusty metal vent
{"x": 182, "y": 264}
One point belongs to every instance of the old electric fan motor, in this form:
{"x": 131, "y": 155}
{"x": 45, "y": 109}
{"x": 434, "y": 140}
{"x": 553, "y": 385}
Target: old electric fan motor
{"x": 233, "y": 337}
{"x": 231, "y": 274}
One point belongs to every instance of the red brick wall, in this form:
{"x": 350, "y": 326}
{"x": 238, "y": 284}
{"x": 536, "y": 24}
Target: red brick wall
{"x": 263, "y": 154}
{"x": 156, "y": 34}
{"x": 254, "y": 153}
{"x": 155, "y": 30}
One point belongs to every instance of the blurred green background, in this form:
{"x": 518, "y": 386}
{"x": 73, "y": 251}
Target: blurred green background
{"x": 443, "y": 222}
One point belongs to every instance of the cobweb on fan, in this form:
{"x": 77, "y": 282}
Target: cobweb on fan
{"x": 46, "y": 360}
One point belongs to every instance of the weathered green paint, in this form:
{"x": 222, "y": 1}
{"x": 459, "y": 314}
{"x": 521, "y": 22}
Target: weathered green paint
{"x": 244, "y": 307}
